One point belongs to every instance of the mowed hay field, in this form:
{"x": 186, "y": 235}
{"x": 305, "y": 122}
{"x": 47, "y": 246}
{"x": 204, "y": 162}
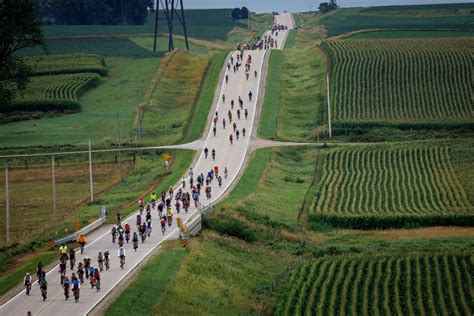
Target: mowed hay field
{"x": 31, "y": 202}
{"x": 385, "y": 186}
{"x": 418, "y": 284}
{"x": 404, "y": 83}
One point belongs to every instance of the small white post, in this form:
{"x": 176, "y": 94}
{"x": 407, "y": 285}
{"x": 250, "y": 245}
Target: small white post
{"x": 7, "y": 206}
{"x": 90, "y": 172}
{"x": 329, "y": 107}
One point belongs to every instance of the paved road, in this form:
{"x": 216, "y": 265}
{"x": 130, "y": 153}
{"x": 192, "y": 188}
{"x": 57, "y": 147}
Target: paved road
{"x": 230, "y": 156}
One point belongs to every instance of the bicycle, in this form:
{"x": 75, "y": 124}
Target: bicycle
{"x": 97, "y": 284}
{"x": 122, "y": 262}
{"x": 66, "y": 292}
{"x": 28, "y": 288}
{"x": 76, "y": 294}
{"x": 101, "y": 266}
{"x": 44, "y": 293}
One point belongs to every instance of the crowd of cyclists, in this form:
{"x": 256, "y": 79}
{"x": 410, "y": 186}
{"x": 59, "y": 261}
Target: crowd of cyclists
{"x": 166, "y": 204}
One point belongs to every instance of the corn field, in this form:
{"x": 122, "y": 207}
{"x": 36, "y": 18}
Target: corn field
{"x": 402, "y": 82}
{"x": 421, "y": 284}
{"x": 390, "y": 181}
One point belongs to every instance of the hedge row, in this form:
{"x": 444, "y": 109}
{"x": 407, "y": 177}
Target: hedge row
{"x": 385, "y": 222}
{"x": 98, "y": 70}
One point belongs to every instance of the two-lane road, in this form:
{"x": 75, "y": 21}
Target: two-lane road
{"x": 227, "y": 155}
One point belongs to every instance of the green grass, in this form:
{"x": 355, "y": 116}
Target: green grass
{"x": 395, "y": 185}
{"x": 271, "y": 172}
{"x": 291, "y": 39}
{"x": 221, "y": 276}
{"x": 120, "y": 92}
{"x": 412, "y": 34}
{"x": 437, "y": 17}
{"x": 156, "y": 276}
{"x": 200, "y": 113}
{"x": 12, "y": 278}
{"x": 271, "y": 103}
{"x": 176, "y": 107}
{"x": 368, "y": 90}
{"x": 295, "y": 93}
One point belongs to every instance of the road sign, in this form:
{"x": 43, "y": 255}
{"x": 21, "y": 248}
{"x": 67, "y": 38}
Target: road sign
{"x": 183, "y": 242}
{"x": 51, "y": 244}
{"x": 167, "y": 156}
{"x": 78, "y": 226}
{"x": 178, "y": 222}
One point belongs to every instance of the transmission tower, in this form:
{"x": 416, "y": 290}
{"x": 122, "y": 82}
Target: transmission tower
{"x": 170, "y": 11}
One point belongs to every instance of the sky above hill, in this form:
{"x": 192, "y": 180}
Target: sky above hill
{"x": 300, "y": 5}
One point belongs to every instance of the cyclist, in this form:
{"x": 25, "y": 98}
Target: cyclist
{"x": 237, "y": 133}
{"x": 219, "y": 180}
{"x": 106, "y": 259}
{"x": 135, "y": 241}
{"x": 27, "y": 283}
{"x": 226, "y": 78}
{"x": 63, "y": 251}
{"x": 66, "y": 285}
{"x": 205, "y": 152}
{"x": 97, "y": 279}
{"x": 169, "y": 215}
{"x": 114, "y": 234}
{"x": 196, "y": 198}
{"x": 141, "y": 205}
{"x": 238, "y": 114}
{"x": 87, "y": 264}
{"x": 139, "y": 220}
{"x": 127, "y": 232}
{"x": 117, "y": 216}
{"x": 231, "y": 139}
{"x": 39, "y": 271}
{"x": 76, "y": 285}
{"x": 81, "y": 240}
{"x": 250, "y": 95}
{"x": 214, "y": 130}
{"x": 80, "y": 272}
{"x": 163, "y": 224}
{"x": 148, "y": 226}
{"x": 121, "y": 255}
{"x": 62, "y": 269}
{"x": 223, "y": 98}
{"x": 223, "y": 123}
{"x": 183, "y": 182}
{"x": 246, "y": 113}
{"x": 255, "y": 73}
{"x": 243, "y": 132}
{"x": 177, "y": 205}
{"x": 208, "y": 192}
{"x": 72, "y": 258}
{"x": 153, "y": 199}
{"x": 213, "y": 154}
{"x": 143, "y": 232}
{"x": 225, "y": 173}
{"x": 160, "y": 207}
{"x": 44, "y": 288}
{"x": 100, "y": 261}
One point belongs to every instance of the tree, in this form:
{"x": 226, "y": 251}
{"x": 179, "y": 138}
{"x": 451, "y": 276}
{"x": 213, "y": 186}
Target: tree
{"x": 235, "y": 14}
{"x": 19, "y": 29}
{"x": 244, "y": 13}
{"x": 325, "y": 7}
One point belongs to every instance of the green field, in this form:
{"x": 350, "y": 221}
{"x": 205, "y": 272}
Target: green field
{"x": 57, "y": 92}
{"x": 120, "y": 92}
{"x": 395, "y": 185}
{"x": 115, "y": 47}
{"x": 411, "y": 34}
{"x": 426, "y": 17}
{"x": 65, "y": 64}
{"x": 212, "y": 24}
{"x": 418, "y": 284}
{"x": 295, "y": 90}
{"x": 404, "y": 83}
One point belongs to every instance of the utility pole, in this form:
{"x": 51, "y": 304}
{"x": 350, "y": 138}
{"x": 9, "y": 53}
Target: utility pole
{"x": 329, "y": 106}
{"x": 139, "y": 125}
{"x": 7, "y": 206}
{"x": 248, "y": 20}
{"x": 156, "y": 25}
{"x": 53, "y": 177}
{"x": 90, "y": 172}
{"x": 119, "y": 146}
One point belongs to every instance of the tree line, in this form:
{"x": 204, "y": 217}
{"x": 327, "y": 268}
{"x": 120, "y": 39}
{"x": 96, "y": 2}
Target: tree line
{"x": 93, "y": 12}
